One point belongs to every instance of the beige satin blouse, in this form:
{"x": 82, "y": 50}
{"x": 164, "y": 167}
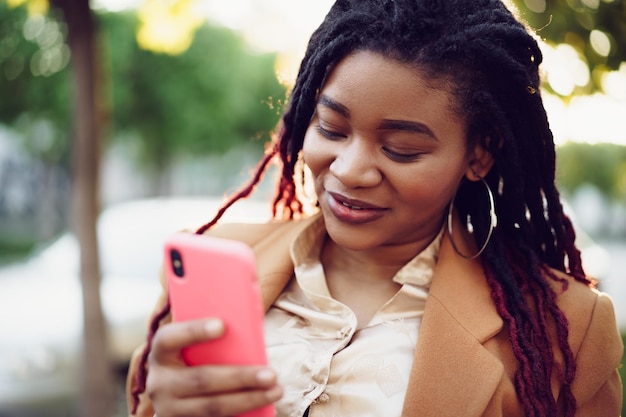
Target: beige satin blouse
{"x": 323, "y": 361}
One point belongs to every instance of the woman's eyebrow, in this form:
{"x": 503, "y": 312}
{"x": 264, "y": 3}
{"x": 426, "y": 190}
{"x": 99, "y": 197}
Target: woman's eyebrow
{"x": 326, "y": 101}
{"x": 405, "y": 125}
{"x": 387, "y": 124}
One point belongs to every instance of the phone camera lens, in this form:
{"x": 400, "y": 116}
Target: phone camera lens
{"x": 177, "y": 263}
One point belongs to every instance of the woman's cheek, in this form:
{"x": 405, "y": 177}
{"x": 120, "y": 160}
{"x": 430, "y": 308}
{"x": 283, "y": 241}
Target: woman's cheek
{"x": 311, "y": 149}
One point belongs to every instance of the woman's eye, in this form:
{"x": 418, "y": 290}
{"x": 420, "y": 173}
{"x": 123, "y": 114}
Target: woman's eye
{"x": 329, "y": 134}
{"x": 401, "y": 156}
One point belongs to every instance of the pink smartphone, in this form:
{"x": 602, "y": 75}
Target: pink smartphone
{"x": 215, "y": 277}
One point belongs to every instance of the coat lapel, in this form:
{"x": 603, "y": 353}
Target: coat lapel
{"x": 275, "y": 267}
{"x": 453, "y": 374}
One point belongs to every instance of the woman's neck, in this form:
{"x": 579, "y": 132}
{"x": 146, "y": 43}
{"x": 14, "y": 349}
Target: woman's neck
{"x": 363, "y": 280}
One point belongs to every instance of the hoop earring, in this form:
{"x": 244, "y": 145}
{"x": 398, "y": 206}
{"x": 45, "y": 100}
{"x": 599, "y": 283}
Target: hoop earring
{"x": 493, "y": 222}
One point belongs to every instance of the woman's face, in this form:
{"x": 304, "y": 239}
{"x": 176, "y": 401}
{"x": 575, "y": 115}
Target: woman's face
{"x": 386, "y": 152}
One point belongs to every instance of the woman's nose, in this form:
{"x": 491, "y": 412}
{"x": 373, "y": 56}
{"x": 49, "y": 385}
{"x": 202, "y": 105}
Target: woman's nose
{"x": 355, "y": 165}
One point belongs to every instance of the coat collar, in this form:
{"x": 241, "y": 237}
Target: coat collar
{"x": 458, "y": 284}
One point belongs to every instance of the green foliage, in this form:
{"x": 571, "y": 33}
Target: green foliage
{"x": 15, "y": 248}
{"x": 215, "y": 95}
{"x": 602, "y": 165}
{"x": 573, "y": 21}
{"x": 34, "y": 81}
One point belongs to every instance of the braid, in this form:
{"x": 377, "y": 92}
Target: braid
{"x": 245, "y": 191}
{"x": 534, "y": 232}
{"x": 142, "y": 369}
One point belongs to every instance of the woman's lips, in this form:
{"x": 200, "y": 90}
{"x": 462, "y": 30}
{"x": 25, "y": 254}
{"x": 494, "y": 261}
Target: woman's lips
{"x": 352, "y": 211}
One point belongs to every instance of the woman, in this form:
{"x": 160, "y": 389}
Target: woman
{"x": 439, "y": 276}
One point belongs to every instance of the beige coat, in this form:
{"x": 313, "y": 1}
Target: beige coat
{"x": 463, "y": 364}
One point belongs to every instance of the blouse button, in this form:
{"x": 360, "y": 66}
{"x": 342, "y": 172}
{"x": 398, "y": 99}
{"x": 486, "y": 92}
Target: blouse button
{"x": 322, "y": 399}
{"x": 344, "y": 332}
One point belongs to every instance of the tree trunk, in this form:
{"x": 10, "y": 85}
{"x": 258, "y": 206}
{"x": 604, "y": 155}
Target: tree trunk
{"x": 97, "y": 399}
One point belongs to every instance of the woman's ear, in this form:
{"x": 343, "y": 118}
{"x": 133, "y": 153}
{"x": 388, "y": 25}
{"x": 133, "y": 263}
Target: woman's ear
{"x": 480, "y": 162}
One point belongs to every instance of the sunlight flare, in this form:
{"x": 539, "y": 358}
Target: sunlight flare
{"x": 167, "y": 26}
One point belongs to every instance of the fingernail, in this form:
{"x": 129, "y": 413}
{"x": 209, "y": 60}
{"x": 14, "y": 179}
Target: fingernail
{"x": 265, "y": 376}
{"x": 274, "y": 393}
{"x": 214, "y": 327}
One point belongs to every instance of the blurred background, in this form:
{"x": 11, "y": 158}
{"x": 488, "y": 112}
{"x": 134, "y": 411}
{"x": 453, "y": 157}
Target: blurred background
{"x": 122, "y": 121}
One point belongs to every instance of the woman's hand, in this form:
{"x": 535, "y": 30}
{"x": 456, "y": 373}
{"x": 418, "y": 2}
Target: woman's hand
{"x": 176, "y": 389}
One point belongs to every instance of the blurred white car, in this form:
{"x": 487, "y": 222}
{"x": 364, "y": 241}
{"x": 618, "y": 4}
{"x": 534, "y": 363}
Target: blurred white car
{"x": 41, "y": 300}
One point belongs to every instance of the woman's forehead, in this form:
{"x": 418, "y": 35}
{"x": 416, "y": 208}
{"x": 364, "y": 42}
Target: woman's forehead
{"x": 371, "y": 90}
{"x": 372, "y": 73}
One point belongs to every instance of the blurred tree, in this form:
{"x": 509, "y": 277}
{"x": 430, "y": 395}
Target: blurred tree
{"x": 34, "y": 81}
{"x": 97, "y": 388}
{"x": 34, "y": 55}
{"x": 596, "y": 29}
{"x": 50, "y": 41}
{"x": 213, "y": 96}
{"x": 601, "y": 165}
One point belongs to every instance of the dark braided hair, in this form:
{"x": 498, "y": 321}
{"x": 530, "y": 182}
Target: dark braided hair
{"x": 489, "y": 61}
